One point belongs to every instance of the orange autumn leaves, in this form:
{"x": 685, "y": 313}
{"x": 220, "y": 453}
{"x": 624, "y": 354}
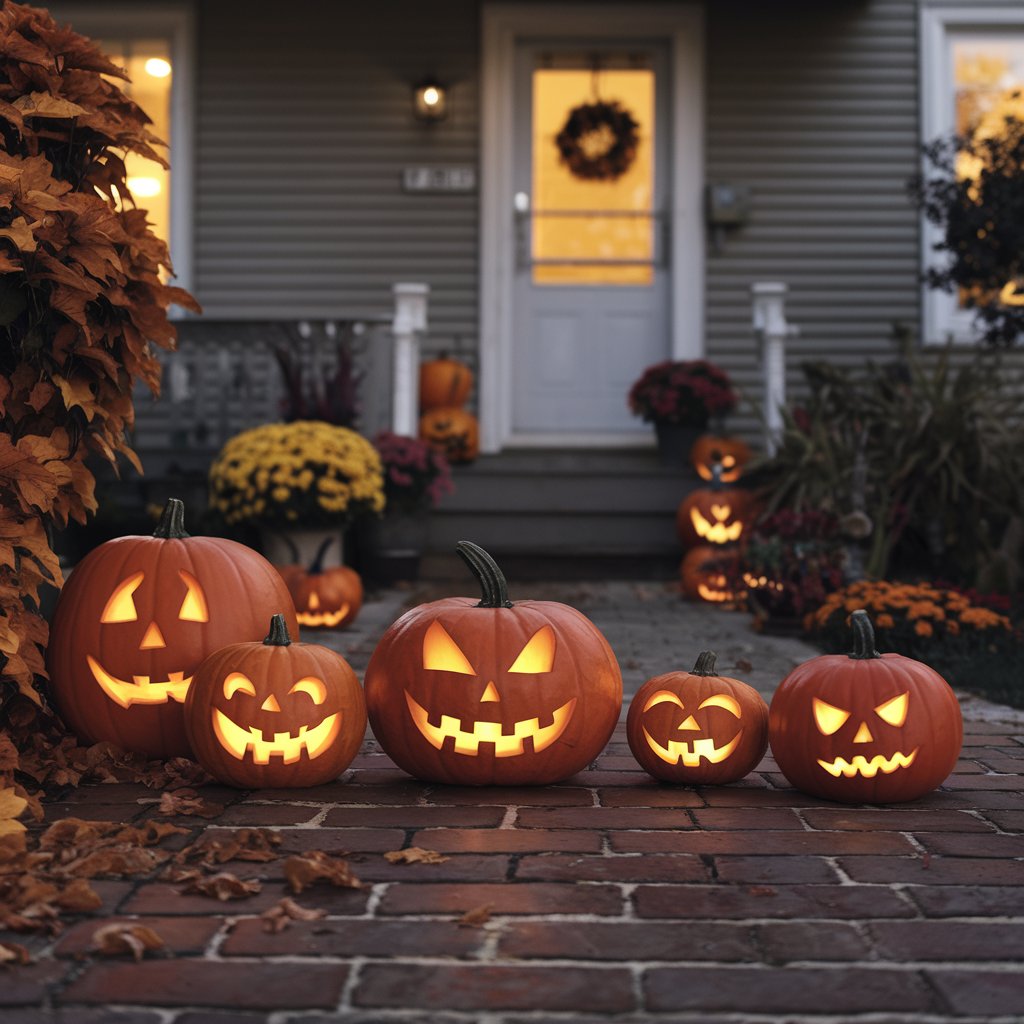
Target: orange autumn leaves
{"x": 82, "y": 303}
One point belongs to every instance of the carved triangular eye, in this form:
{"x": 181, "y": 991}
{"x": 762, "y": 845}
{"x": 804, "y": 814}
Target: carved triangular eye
{"x": 538, "y": 655}
{"x": 193, "y": 608}
{"x": 442, "y": 654}
{"x": 829, "y": 719}
{"x": 121, "y": 606}
{"x": 723, "y": 700}
{"x": 894, "y": 711}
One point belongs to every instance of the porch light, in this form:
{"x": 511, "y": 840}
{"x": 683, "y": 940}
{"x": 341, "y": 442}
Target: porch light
{"x": 143, "y": 187}
{"x": 158, "y": 67}
{"x": 430, "y": 100}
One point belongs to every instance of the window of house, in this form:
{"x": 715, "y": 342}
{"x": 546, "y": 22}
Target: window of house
{"x": 972, "y": 66}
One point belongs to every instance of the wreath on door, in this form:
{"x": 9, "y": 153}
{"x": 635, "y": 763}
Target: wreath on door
{"x": 598, "y": 141}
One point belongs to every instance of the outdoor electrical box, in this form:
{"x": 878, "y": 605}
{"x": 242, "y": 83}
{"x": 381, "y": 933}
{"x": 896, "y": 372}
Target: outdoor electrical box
{"x": 727, "y": 205}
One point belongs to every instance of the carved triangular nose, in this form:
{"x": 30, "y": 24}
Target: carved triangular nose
{"x": 491, "y": 693}
{"x": 270, "y": 704}
{"x": 689, "y": 724}
{"x": 863, "y": 734}
{"x": 153, "y": 638}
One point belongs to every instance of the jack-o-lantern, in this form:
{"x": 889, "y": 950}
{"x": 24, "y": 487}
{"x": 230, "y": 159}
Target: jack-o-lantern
{"x": 705, "y": 574}
{"x": 714, "y": 515}
{"x": 697, "y": 727}
{"x": 453, "y": 432}
{"x": 135, "y": 619}
{"x": 865, "y": 727}
{"x": 489, "y": 692}
{"x": 730, "y": 453}
{"x": 444, "y": 382}
{"x": 275, "y": 714}
{"x": 325, "y": 598}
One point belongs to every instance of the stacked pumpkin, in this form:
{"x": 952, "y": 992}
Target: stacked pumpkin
{"x": 445, "y": 424}
{"x": 711, "y": 520}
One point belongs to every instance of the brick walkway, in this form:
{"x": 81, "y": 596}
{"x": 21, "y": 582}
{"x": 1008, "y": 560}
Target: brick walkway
{"x": 609, "y": 897}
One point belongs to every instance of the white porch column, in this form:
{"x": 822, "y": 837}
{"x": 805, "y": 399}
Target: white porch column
{"x": 771, "y": 328}
{"x": 410, "y": 321}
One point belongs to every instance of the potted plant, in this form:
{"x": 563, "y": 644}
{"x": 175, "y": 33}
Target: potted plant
{"x": 680, "y": 397}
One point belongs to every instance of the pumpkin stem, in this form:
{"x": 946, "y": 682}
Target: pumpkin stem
{"x": 705, "y": 665}
{"x": 172, "y": 521}
{"x": 492, "y": 579}
{"x": 317, "y": 565}
{"x": 863, "y": 636}
{"x": 278, "y": 635}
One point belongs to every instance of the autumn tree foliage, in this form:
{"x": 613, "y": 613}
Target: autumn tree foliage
{"x": 81, "y": 306}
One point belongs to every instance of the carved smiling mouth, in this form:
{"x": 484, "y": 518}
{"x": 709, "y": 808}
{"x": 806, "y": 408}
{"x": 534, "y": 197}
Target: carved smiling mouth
{"x": 505, "y": 744}
{"x": 860, "y": 765}
{"x": 691, "y": 753}
{"x": 142, "y": 690}
{"x": 236, "y": 740}
{"x": 323, "y": 618}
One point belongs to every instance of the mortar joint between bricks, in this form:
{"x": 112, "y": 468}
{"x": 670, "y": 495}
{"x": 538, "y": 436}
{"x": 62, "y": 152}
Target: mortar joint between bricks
{"x": 914, "y": 842}
{"x": 799, "y": 812}
{"x": 351, "y": 982}
{"x": 844, "y": 878}
{"x": 628, "y": 910}
{"x": 373, "y": 901}
{"x": 980, "y": 816}
{"x": 509, "y": 818}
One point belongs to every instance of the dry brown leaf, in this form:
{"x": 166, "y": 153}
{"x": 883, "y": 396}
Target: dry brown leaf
{"x": 304, "y": 870}
{"x": 188, "y": 801}
{"x": 11, "y": 805}
{"x": 415, "y": 855}
{"x": 223, "y": 886}
{"x": 78, "y": 898}
{"x": 125, "y": 937}
{"x": 42, "y": 104}
{"x": 477, "y": 917}
{"x": 286, "y": 910}
{"x": 251, "y": 844}
{"x": 130, "y": 860}
{"x": 14, "y": 953}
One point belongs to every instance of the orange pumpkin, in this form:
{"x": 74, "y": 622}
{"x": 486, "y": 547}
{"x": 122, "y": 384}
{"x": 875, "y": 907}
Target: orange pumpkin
{"x": 136, "y": 618}
{"x": 705, "y": 574}
{"x": 324, "y": 598}
{"x": 453, "y": 432}
{"x": 275, "y": 713}
{"x": 697, "y": 727}
{"x": 865, "y": 727}
{"x": 490, "y": 692}
{"x": 444, "y": 382}
{"x": 730, "y": 453}
{"x": 715, "y": 514}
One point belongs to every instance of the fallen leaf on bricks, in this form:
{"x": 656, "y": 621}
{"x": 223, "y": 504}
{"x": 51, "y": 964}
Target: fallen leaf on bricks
{"x": 286, "y": 910}
{"x": 176, "y": 873}
{"x": 415, "y": 855}
{"x": 223, "y": 886}
{"x": 14, "y": 953}
{"x": 477, "y": 917}
{"x": 117, "y": 861}
{"x": 252, "y": 844}
{"x": 302, "y": 871}
{"x": 761, "y": 890}
{"x": 11, "y": 805}
{"x": 78, "y": 898}
{"x": 124, "y": 937}
{"x": 744, "y": 665}
{"x": 188, "y": 801}
{"x": 926, "y": 860}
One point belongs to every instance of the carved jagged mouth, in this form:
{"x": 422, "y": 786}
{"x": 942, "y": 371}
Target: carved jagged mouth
{"x": 505, "y": 744}
{"x": 323, "y": 618}
{"x": 717, "y": 532}
{"x": 860, "y": 765}
{"x": 691, "y": 753}
{"x": 236, "y": 740}
{"x": 142, "y": 690}
{"x": 710, "y": 594}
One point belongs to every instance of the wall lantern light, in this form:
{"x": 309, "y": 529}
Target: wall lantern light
{"x": 430, "y": 100}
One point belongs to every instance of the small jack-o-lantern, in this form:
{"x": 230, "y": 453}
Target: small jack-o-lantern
{"x": 697, "y": 727}
{"x": 730, "y": 453}
{"x": 325, "y": 598}
{"x": 706, "y": 573}
{"x": 275, "y": 714}
{"x": 135, "y": 619}
{"x": 444, "y": 382}
{"x": 865, "y": 727}
{"x": 489, "y": 692}
{"x": 453, "y": 432}
{"x": 713, "y": 515}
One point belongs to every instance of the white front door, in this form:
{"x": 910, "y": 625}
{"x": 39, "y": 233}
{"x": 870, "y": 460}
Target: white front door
{"x": 591, "y": 297}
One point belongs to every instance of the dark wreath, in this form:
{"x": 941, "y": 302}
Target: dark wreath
{"x": 587, "y": 119}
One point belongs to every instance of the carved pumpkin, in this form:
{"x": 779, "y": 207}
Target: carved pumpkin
{"x": 453, "y": 432}
{"x": 444, "y": 382}
{"x": 865, "y": 727}
{"x": 136, "y": 618}
{"x": 730, "y": 453}
{"x": 705, "y": 574}
{"x": 715, "y": 514}
{"x": 275, "y": 713}
{"x": 489, "y": 692}
{"x": 697, "y": 727}
{"x": 324, "y": 598}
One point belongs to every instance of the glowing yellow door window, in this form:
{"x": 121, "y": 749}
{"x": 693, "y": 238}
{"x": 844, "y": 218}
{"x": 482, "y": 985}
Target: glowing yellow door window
{"x": 586, "y": 231}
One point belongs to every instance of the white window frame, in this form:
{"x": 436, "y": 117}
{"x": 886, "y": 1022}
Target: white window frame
{"x": 176, "y": 23}
{"x": 941, "y": 25}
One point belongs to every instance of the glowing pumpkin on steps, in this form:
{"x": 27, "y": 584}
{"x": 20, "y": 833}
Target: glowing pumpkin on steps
{"x": 865, "y": 727}
{"x": 444, "y": 382}
{"x": 490, "y": 692}
{"x": 455, "y": 433}
{"x": 325, "y": 598}
{"x": 697, "y": 727}
{"x": 705, "y": 573}
{"x": 135, "y": 619}
{"x": 275, "y": 714}
{"x": 714, "y": 514}
{"x": 730, "y": 453}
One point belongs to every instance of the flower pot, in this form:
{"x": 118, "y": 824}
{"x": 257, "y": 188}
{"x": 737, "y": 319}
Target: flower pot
{"x": 299, "y": 545}
{"x": 675, "y": 441}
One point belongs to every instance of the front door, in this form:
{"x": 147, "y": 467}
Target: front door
{"x": 591, "y": 263}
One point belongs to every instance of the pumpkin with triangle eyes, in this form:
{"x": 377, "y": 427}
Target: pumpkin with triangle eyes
{"x": 490, "y": 692}
{"x": 697, "y": 727}
{"x": 275, "y": 714}
{"x": 135, "y": 619}
{"x": 865, "y": 727}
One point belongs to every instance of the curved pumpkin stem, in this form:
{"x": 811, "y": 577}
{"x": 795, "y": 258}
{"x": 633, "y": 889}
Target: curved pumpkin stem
{"x": 317, "y": 565}
{"x": 705, "y": 665}
{"x": 278, "y": 635}
{"x": 492, "y": 579}
{"x": 172, "y": 521}
{"x": 863, "y": 636}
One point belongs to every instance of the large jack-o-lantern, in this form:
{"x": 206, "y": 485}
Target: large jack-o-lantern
{"x": 275, "y": 714}
{"x": 865, "y": 727}
{"x": 325, "y": 598}
{"x": 135, "y": 619}
{"x": 491, "y": 692}
{"x": 697, "y": 727}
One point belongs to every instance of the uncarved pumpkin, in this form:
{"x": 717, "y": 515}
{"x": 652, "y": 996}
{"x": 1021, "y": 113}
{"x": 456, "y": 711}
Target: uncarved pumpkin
{"x": 444, "y": 382}
{"x": 490, "y": 692}
{"x": 453, "y": 432}
{"x": 135, "y": 619}
{"x": 865, "y": 727}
